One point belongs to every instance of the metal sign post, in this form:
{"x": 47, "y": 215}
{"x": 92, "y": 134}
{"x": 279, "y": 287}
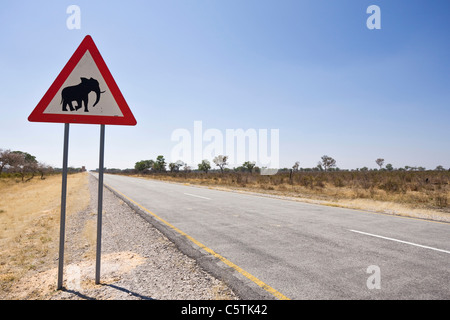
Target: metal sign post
{"x": 63, "y": 207}
{"x": 100, "y": 203}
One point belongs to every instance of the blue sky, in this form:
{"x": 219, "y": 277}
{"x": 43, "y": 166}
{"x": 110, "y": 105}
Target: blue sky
{"x": 311, "y": 69}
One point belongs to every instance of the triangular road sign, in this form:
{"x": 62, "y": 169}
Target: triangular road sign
{"x": 84, "y": 92}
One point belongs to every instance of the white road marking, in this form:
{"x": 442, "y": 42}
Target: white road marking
{"x": 193, "y": 195}
{"x": 401, "y": 241}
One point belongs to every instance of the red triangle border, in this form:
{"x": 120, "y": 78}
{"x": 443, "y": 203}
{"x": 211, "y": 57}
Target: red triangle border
{"x": 38, "y": 114}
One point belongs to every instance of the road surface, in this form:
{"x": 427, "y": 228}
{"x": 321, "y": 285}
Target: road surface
{"x": 269, "y": 248}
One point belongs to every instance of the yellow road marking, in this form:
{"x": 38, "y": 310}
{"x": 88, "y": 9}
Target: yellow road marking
{"x": 249, "y": 276}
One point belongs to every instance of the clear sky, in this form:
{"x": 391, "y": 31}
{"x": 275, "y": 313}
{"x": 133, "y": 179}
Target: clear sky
{"x": 310, "y": 68}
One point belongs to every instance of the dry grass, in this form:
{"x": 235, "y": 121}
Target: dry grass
{"x": 423, "y": 194}
{"x": 89, "y": 233}
{"x": 29, "y": 223}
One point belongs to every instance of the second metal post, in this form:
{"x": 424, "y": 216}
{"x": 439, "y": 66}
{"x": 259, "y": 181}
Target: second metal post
{"x": 62, "y": 223}
{"x": 100, "y": 203}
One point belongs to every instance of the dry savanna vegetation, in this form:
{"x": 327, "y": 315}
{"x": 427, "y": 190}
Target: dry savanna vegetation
{"x": 29, "y": 223}
{"x": 413, "y": 193}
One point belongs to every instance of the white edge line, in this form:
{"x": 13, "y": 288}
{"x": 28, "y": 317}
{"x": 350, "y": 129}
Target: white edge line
{"x": 193, "y": 195}
{"x": 401, "y": 241}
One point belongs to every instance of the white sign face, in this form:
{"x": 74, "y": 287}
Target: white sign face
{"x": 80, "y": 91}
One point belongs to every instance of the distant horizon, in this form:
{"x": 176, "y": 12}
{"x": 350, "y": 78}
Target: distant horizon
{"x": 300, "y": 168}
{"x": 337, "y": 168}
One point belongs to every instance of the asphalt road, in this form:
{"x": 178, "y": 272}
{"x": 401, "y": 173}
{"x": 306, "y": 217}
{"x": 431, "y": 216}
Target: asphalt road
{"x": 272, "y": 248}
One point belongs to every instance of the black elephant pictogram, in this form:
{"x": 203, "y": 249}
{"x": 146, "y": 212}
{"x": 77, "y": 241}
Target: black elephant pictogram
{"x": 80, "y": 94}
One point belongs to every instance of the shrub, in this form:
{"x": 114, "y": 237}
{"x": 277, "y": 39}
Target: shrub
{"x": 441, "y": 200}
{"x": 391, "y": 186}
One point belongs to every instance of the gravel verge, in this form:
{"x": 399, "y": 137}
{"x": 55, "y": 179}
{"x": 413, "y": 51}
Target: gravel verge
{"x": 138, "y": 261}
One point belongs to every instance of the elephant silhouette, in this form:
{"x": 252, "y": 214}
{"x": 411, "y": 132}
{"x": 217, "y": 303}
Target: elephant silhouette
{"x": 80, "y": 93}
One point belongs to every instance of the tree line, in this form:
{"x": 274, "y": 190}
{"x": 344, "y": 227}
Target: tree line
{"x": 160, "y": 165}
{"x": 26, "y": 166}
{"x": 326, "y": 163}
{"x": 22, "y": 164}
